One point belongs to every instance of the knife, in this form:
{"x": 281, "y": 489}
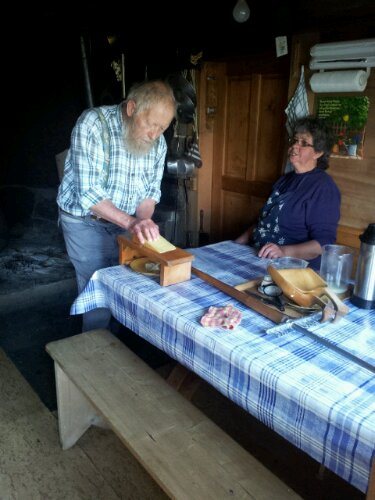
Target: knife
{"x": 334, "y": 348}
{"x": 249, "y": 301}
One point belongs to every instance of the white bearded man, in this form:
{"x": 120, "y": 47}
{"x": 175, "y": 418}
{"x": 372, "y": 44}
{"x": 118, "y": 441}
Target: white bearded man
{"x": 111, "y": 181}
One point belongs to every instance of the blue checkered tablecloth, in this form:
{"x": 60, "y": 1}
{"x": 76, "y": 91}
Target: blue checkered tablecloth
{"x": 321, "y": 402}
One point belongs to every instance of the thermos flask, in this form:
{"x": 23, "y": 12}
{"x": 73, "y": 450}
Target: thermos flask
{"x": 364, "y": 288}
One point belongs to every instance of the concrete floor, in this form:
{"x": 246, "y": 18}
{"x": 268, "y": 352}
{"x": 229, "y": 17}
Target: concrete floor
{"x": 98, "y": 466}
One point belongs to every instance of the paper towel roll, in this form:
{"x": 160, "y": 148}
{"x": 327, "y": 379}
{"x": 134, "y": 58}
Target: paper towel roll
{"x": 339, "y": 81}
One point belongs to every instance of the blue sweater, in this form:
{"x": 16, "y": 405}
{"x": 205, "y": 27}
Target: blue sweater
{"x": 302, "y": 207}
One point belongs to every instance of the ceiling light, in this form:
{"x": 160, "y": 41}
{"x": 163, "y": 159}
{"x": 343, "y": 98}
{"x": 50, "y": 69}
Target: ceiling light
{"x": 241, "y": 11}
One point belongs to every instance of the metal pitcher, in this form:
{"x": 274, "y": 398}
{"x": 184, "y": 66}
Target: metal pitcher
{"x": 364, "y": 289}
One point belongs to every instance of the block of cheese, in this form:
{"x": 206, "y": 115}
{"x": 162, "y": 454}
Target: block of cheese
{"x": 161, "y": 245}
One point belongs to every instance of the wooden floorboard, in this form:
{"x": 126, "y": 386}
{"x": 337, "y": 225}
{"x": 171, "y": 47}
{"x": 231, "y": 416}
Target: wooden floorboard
{"x": 26, "y": 423}
{"x": 33, "y": 465}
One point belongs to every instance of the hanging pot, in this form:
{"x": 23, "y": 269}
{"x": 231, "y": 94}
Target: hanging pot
{"x": 180, "y": 167}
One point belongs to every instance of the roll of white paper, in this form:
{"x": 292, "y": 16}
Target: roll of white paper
{"x": 337, "y": 50}
{"x": 339, "y": 81}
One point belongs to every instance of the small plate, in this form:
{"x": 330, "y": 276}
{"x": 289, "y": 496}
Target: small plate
{"x": 139, "y": 265}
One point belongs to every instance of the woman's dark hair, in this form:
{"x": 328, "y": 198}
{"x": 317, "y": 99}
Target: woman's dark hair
{"x": 321, "y": 134}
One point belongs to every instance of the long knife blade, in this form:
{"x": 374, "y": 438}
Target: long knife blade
{"x": 334, "y": 348}
{"x": 251, "y": 302}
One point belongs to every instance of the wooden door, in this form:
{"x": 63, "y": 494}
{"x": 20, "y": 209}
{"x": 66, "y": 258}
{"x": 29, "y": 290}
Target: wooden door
{"x": 249, "y": 140}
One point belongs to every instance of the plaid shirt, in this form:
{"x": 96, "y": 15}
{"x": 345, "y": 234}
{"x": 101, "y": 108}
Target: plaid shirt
{"x": 131, "y": 179}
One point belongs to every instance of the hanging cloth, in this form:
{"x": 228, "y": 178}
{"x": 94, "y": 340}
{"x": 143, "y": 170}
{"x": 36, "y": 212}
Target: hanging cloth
{"x": 298, "y": 107}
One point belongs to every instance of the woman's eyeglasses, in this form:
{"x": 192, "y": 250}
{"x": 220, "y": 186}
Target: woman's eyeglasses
{"x": 302, "y": 143}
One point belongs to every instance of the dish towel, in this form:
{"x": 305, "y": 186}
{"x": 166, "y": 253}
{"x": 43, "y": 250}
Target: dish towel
{"x": 297, "y": 108}
{"x": 298, "y": 105}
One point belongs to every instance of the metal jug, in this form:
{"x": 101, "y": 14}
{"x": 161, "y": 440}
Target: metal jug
{"x": 364, "y": 289}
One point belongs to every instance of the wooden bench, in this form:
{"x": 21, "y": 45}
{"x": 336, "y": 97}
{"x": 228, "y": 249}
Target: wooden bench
{"x": 98, "y": 379}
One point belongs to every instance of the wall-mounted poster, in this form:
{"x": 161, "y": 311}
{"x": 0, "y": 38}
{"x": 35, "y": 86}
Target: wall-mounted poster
{"x": 347, "y": 117}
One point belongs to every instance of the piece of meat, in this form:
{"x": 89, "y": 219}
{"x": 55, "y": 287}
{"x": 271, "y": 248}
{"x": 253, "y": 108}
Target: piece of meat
{"x": 227, "y": 317}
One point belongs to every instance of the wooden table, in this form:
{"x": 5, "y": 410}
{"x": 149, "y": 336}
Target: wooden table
{"x": 321, "y": 402}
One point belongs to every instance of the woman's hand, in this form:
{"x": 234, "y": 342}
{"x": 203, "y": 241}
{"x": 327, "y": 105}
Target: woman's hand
{"x": 245, "y": 237}
{"x": 307, "y": 250}
{"x": 271, "y": 251}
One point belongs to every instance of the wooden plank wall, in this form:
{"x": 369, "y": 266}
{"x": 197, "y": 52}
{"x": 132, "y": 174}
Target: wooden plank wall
{"x": 354, "y": 177}
{"x": 207, "y": 110}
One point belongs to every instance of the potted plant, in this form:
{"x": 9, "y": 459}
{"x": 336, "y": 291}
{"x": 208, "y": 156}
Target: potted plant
{"x": 351, "y": 145}
{"x": 347, "y": 117}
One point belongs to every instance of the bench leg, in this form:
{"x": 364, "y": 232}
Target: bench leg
{"x": 184, "y": 381}
{"x": 371, "y": 483}
{"x": 75, "y": 413}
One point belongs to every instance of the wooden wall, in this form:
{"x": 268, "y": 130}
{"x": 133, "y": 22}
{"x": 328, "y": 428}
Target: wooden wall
{"x": 354, "y": 177}
{"x": 242, "y": 140}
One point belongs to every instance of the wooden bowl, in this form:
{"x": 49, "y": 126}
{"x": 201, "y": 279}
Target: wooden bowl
{"x": 306, "y": 288}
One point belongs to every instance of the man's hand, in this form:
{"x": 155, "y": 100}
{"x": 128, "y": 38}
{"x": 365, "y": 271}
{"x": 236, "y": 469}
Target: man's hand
{"x": 141, "y": 225}
{"x": 144, "y": 229}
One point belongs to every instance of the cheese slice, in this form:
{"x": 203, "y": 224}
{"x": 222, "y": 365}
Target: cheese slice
{"x": 161, "y": 245}
{"x": 152, "y": 267}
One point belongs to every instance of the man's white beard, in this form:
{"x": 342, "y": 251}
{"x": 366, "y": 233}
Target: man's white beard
{"x": 134, "y": 146}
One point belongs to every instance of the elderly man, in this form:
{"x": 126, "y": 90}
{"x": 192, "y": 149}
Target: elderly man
{"x": 111, "y": 180}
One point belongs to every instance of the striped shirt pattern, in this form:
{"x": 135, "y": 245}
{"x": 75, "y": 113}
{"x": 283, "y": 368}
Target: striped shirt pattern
{"x": 131, "y": 179}
{"x": 319, "y": 401}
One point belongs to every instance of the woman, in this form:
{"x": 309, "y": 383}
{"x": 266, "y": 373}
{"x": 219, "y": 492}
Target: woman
{"x": 303, "y": 211}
